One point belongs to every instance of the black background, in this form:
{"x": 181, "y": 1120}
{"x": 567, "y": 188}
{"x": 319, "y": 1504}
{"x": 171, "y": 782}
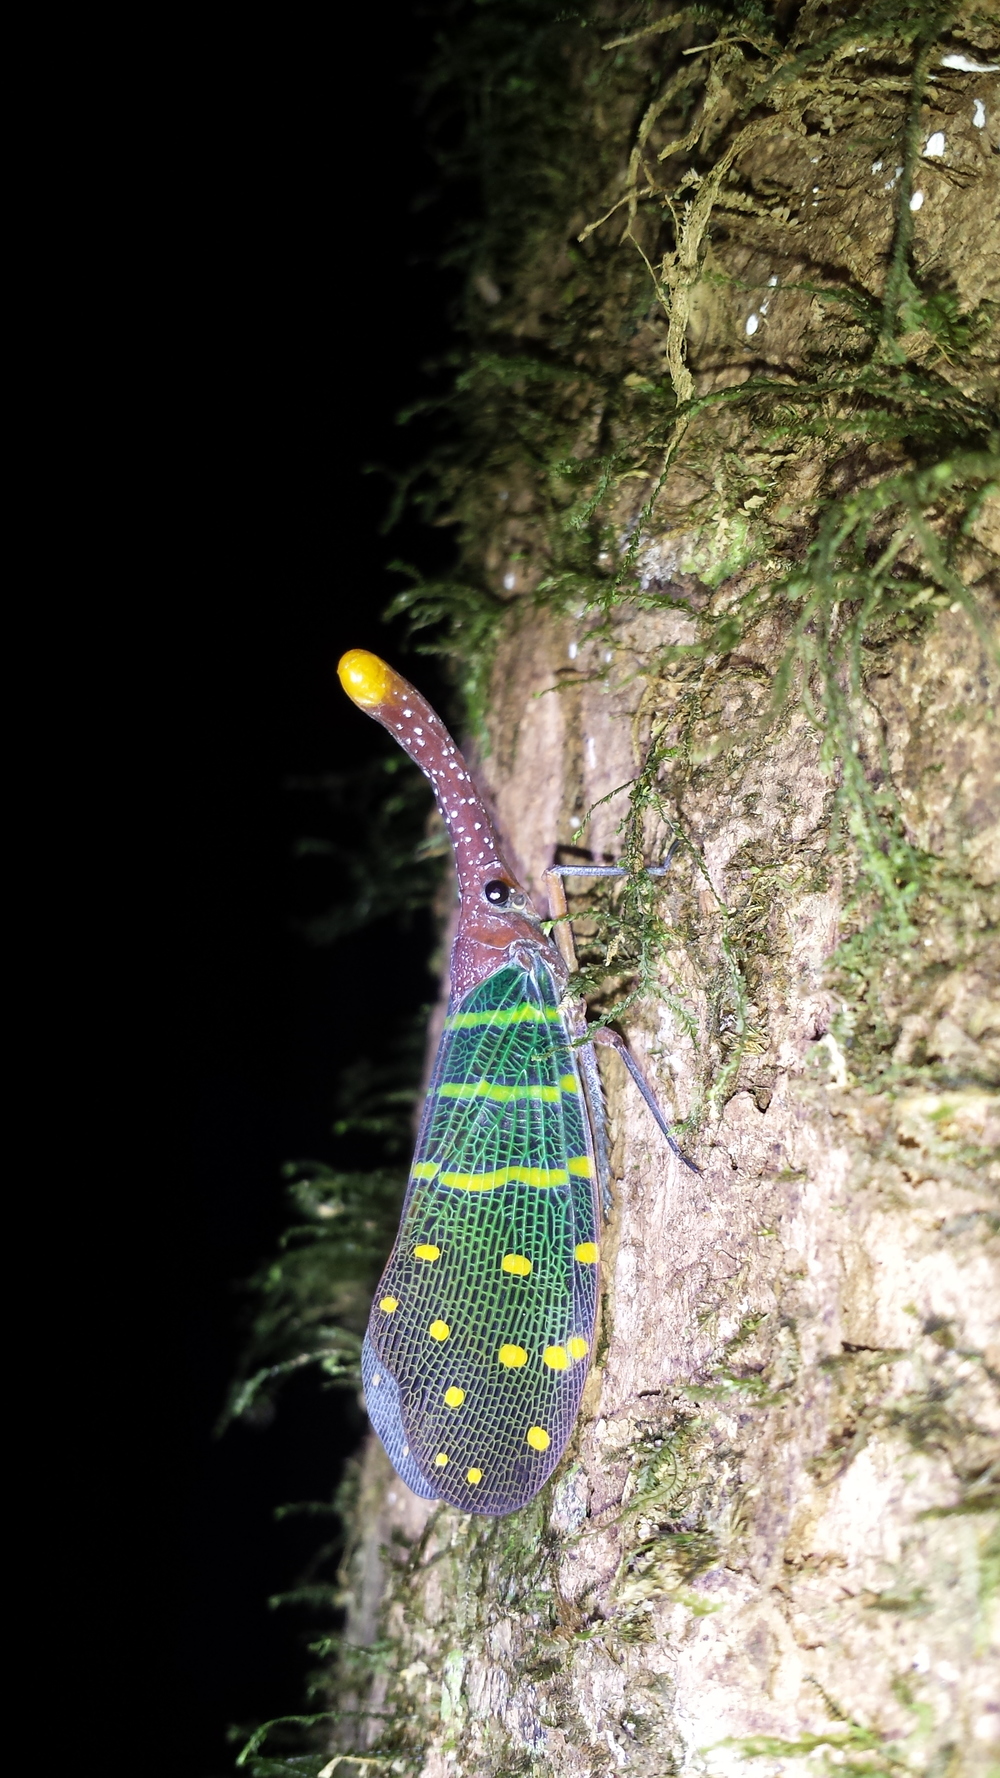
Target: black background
{"x": 295, "y": 224}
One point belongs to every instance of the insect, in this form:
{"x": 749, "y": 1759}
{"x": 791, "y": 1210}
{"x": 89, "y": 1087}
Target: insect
{"x": 482, "y": 1326}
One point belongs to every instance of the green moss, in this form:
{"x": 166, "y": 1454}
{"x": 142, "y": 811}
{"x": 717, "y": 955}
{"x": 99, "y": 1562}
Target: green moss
{"x": 882, "y": 558}
{"x": 573, "y": 402}
{"x": 307, "y": 1765}
{"x": 312, "y": 1299}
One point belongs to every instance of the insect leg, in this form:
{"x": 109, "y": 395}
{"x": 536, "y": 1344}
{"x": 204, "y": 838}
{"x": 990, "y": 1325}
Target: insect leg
{"x": 611, "y": 1040}
{"x": 593, "y": 1093}
{"x": 609, "y": 870}
{"x": 562, "y": 931}
{"x": 554, "y": 880}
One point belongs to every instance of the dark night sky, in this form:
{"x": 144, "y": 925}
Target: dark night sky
{"x": 298, "y": 298}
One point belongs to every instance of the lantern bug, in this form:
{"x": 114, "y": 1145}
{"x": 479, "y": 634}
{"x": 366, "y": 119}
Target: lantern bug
{"x": 483, "y": 1323}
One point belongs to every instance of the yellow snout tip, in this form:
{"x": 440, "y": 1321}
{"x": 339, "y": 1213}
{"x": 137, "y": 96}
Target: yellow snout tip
{"x": 366, "y": 679}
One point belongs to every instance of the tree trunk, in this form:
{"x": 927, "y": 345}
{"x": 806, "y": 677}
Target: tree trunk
{"x": 727, "y": 489}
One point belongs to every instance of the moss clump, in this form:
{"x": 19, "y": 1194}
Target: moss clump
{"x": 583, "y": 442}
{"x": 808, "y": 494}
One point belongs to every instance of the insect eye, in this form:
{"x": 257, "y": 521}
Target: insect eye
{"x": 497, "y": 892}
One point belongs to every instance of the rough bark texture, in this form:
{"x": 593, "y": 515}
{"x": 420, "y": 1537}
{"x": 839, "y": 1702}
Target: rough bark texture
{"x": 771, "y": 1540}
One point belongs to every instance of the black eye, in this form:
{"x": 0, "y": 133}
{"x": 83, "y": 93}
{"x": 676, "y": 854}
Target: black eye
{"x": 498, "y": 892}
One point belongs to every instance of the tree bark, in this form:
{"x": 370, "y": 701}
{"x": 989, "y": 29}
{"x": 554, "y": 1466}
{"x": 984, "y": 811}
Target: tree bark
{"x": 774, "y": 1536}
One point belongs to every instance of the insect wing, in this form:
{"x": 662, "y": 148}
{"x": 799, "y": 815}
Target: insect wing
{"x": 382, "y": 1399}
{"x": 485, "y": 1315}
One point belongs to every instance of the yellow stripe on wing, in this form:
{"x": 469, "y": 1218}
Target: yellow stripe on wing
{"x": 485, "y": 1089}
{"x": 542, "y": 1177}
{"x": 525, "y": 1014}
{"x": 487, "y": 1182}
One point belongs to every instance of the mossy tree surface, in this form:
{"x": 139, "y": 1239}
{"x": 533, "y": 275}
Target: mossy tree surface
{"x": 726, "y": 494}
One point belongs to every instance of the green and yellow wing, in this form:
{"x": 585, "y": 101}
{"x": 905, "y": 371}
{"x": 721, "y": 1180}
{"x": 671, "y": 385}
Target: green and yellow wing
{"x": 484, "y": 1319}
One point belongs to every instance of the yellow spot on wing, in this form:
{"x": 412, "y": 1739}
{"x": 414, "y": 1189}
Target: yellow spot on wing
{"x": 441, "y": 1459}
{"x": 555, "y": 1358}
{"x": 577, "y": 1348}
{"x": 538, "y": 1438}
{"x": 474, "y": 1476}
{"x": 486, "y": 1182}
{"x": 426, "y": 1251}
{"x": 568, "y": 1083}
{"x": 513, "y": 1357}
{"x": 425, "y": 1169}
{"x": 516, "y": 1264}
{"x": 586, "y": 1252}
{"x": 439, "y": 1330}
{"x": 582, "y": 1165}
{"x": 389, "y": 1304}
{"x": 454, "y": 1397}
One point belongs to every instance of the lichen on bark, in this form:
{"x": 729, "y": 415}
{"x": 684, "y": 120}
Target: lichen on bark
{"x": 726, "y": 496}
